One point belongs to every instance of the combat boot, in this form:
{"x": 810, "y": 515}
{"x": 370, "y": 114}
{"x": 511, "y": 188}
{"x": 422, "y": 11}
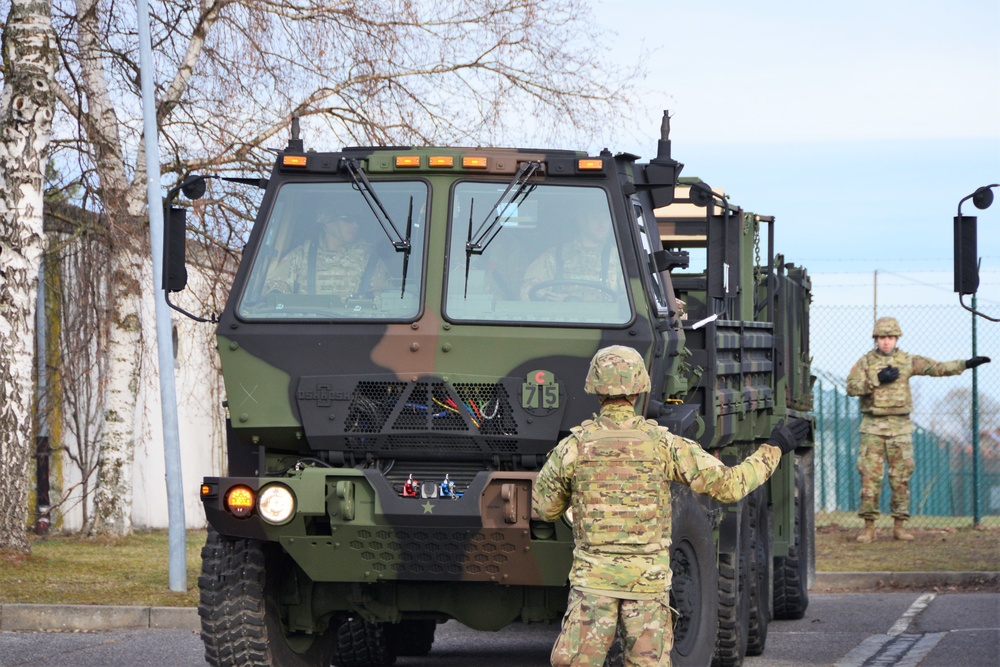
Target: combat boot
{"x": 868, "y": 534}
{"x": 898, "y": 533}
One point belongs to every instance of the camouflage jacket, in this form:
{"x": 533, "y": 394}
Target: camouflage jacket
{"x": 892, "y": 399}
{"x": 614, "y": 472}
{"x": 594, "y": 272}
{"x": 339, "y": 272}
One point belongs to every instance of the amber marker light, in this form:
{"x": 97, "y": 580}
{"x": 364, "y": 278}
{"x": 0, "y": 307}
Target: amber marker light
{"x": 407, "y": 160}
{"x": 474, "y": 162}
{"x": 441, "y": 161}
{"x": 239, "y": 501}
{"x": 590, "y": 164}
{"x": 293, "y": 160}
{"x": 205, "y": 489}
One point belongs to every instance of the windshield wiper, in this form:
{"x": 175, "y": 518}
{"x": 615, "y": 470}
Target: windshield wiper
{"x": 516, "y": 192}
{"x": 399, "y": 242}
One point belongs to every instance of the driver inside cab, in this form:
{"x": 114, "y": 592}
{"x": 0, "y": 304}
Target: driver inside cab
{"x": 336, "y": 261}
{"x": 584, "y": 268}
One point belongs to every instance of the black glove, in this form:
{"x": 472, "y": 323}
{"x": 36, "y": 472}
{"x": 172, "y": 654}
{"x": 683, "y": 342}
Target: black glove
{"x": 787, "y": 438}
{"x": 977, "y": 361}
{"x": 888, "y": 374}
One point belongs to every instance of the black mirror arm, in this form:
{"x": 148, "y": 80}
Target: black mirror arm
{"x": 212, "y": 320}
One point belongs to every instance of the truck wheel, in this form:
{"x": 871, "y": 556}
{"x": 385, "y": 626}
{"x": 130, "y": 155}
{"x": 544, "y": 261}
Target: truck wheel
{"x": 695, "y": 590}
{"x": 760, "y": 575}
{"x": 734, "y": 598}
{"x": 240, "y": 612}
{"x": 361, "y": 644}
{"x": 791, "y": 573}
{"x": 412, "y": 638}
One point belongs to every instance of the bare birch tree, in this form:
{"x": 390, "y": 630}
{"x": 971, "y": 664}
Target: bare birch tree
{"x": 231, "y": 74}
{"x": 29, "y": 63}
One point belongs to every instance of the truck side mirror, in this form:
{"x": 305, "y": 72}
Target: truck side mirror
{"x": 667, "y": 260}
{"x": 700, "y": 194}
{"x": 175, "y": 248}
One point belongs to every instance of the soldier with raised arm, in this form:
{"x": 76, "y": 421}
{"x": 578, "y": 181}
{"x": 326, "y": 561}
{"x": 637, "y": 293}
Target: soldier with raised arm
{"x": 614, "y": 473}
{"x": 882, "y": 379}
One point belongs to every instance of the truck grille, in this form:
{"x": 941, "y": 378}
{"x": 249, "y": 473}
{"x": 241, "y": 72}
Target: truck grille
{"x": 379, "y": 407}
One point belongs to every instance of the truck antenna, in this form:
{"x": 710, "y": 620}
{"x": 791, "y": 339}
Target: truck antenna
{"x": 294, "y": 143}
{"x": 663, "y": 145}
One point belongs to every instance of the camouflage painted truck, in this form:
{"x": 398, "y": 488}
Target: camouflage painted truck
{"x": 382, "y": 445}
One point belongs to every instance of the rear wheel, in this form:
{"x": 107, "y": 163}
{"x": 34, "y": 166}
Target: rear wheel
{"x": 791, "y": 573}
{"x": 242, "y": 621}
{"x": 695, "y": 590}
{"x": 760, "y": 573}
{"x": 362, "y": 644}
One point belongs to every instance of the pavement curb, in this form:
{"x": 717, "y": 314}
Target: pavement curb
{"x": 87, "y": 618}
{"x": 871, "y": 581}
{"x": 92, "y": 618}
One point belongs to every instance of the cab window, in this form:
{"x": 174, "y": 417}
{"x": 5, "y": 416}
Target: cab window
{"x": 324, "y": 254}
{"x": 550, "y": 257}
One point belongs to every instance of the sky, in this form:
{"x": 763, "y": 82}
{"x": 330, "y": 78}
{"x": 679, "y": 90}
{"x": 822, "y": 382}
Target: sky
{"x": 858, "y": 125}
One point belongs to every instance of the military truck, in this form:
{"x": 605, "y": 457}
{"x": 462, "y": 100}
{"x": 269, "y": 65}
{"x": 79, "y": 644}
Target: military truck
{"x": 392, "y": 396}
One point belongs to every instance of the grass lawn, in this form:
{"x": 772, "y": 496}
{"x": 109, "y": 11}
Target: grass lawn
{"x": 66, "y": 569}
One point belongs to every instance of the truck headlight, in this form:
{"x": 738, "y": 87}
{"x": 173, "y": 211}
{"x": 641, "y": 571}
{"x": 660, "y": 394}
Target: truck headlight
{"x": 276, "y": 503}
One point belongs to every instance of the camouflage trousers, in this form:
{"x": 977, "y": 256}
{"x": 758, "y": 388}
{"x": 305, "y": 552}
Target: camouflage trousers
{"x": 876, "y": 451}
{"x": 589, "y": 626}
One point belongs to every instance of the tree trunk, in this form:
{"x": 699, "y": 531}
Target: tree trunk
{"x": 113, "y": 486}
{"x": 29, "y": 56}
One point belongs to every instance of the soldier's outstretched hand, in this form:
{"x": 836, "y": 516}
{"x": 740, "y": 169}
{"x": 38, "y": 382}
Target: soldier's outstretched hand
{"x": 888, "y": 374}
{"x": 787, "y": 438}
{"x": 977, "y": 361}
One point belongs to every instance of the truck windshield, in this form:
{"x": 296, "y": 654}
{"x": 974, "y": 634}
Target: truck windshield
{"x": 554, "y": 259}
{"x": 323, "y": 255}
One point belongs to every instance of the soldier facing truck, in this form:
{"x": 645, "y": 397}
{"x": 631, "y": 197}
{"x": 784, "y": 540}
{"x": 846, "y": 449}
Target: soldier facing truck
{"x": 613, "y": 473}
{"x": 882, "y": 379}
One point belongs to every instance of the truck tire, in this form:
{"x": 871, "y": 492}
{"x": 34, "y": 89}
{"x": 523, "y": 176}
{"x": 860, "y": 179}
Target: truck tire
{"x": 362, "y": 644}
{"x": 240, "y": 612}
{"x": 760, "y": 573}
{"x": 695, "y": 590}
{"x": 412, "y": 638}
{"x": 734, "y": 597}
{"x": 791, "y": 573}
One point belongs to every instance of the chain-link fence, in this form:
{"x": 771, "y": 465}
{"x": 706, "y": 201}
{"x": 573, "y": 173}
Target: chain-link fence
{"x": 956, "y": 439}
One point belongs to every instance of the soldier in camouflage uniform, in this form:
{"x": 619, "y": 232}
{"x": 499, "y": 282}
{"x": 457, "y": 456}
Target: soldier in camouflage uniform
{"x": 613, "y": 473}
{"x": 882, "y": 379}
{"x": 338, "y": 262}
{"x": 589, "y": 261}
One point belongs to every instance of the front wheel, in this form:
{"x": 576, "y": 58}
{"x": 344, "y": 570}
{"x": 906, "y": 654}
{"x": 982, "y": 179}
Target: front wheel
{"x": 734, "y": 591}
{"x": 695, "y": 590}
{"x": 242, "y": 623}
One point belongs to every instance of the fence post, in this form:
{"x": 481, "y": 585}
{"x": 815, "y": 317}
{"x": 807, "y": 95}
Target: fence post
{"x": 821, "y": 429}
{"x": 976, "y": 512}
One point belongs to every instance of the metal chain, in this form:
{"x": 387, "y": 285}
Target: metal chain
{"x": 758, "y": 271}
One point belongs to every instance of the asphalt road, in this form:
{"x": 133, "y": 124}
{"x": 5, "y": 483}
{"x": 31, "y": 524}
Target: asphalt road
{"x": 847, "y": 630}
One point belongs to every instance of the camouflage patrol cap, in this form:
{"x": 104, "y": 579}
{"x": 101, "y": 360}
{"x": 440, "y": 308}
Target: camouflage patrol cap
{"x": 886, "y": 326}
{"x": 617, "y": 371}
